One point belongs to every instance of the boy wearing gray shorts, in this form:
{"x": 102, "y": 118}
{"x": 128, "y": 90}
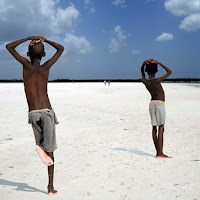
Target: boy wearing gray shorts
{"x": 43, "y": 123}
{"x": 41, "y": 114}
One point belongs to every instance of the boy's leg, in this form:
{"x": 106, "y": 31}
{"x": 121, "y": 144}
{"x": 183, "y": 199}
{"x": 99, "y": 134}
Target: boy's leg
{"x": 155, "y": 138}
{"x": 35, "y": 118}
{"x": 50, "y": 144}
{"x": 160, "y": 143}
{"x": 50, "y": 174}
{"x": 43, "y": 156}
{"x": 160, "y": 140}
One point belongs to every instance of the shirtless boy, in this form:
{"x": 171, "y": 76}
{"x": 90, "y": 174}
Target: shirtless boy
{"x": 157, "y": 104}
{"x": 41, "y": 114}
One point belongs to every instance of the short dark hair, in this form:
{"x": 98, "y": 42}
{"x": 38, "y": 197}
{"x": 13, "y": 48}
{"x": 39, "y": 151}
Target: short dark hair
{"x": 151, "y": 68}
{"x": 36, "y": 51}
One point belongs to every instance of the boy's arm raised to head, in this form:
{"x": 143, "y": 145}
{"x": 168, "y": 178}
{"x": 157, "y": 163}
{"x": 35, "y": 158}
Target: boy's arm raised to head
{"x": 55, "y": 57}
{"x": 169, "y": 72}
{"x": 142, "y": 71}
{"x": 11, "y": 48}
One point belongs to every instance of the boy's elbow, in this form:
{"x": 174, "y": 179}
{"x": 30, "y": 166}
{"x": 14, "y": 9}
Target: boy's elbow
{"x": 61, "y": 49}
{"x": 7, "y": 46}
{"x": 169, "y": 71}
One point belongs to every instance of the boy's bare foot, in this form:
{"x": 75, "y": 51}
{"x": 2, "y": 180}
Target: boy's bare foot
{"x": 44, "y": 157}
{"x": 51, "y": 190}
{"x": 162, "y": 156}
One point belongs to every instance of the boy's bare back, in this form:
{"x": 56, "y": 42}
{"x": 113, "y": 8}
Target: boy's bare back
{"x": 155, "y": 89}
{"x": 35, "y": 85}
{"x": 35, "y": 76}
{"x": 153, "y": 84}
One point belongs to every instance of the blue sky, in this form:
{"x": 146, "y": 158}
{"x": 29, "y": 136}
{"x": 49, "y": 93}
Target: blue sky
{"x": 105, "y": 39}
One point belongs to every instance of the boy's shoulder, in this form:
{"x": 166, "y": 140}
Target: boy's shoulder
{"x": 152, "y": 83}
{"x": 30, "y": 67}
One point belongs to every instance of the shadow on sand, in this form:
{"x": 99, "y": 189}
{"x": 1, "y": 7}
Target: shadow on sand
{"x": 115, "y": 149}
{"x": 20, "y": 186}
{"x": 194, "y": 85}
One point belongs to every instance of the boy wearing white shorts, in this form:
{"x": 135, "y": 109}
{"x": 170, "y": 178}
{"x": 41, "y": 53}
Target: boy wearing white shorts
{"x": 157, "y": 103}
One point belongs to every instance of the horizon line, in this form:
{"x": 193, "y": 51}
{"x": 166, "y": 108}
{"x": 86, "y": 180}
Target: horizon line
{"x": 101, "y": 80}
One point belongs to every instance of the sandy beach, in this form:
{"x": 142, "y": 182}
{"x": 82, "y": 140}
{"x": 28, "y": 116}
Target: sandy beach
{"x": 105, "y": 149}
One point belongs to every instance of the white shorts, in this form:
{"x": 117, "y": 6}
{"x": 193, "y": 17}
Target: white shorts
{"x": 157, "y": 112}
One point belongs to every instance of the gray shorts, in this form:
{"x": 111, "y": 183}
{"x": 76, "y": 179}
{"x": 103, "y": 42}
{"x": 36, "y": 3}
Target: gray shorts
{"x": 157, "y": 112}
{"x": 43, "y": 123}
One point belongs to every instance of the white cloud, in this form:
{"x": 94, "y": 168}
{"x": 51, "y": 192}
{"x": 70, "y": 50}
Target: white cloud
{"x": 92, "y": 10}
{"x": 114, "y": 46}
{"x": 88, "y": 4}
{"x": 149, "y": 1}
{"x": 21, "y": 18}
{"x": 119, "y": 3}
{"x": 165, "y": 37}
{"x": 74, "y": 44}
{"x": 117, "y": 40}
{"x": 183, "y": 7}
{"x": 64, "y": 19}
{"x": 41, "y": 17}
{"x": 188, "y": 8}
{"x": 119, "y": 33}
{"x": 190, "y": 23}
{"x": 136, "y": 52}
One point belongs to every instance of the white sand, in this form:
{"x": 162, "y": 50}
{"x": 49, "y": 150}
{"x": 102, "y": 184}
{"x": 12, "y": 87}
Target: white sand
{"x": 105, "y": 150}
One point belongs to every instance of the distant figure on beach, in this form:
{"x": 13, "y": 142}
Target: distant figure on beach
{"x": 41, "y": 114}
{"x": 105, "y": 82}
{"x": 157, "y": 103}
{"x": 108, "y": 83}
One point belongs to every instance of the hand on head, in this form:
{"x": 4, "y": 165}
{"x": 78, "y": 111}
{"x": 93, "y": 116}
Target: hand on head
{"x": 32, "y": 42}
{"x": 150, "y": 61}
{"x": 37, "y": 39}
{"x": 147, "y": 61}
